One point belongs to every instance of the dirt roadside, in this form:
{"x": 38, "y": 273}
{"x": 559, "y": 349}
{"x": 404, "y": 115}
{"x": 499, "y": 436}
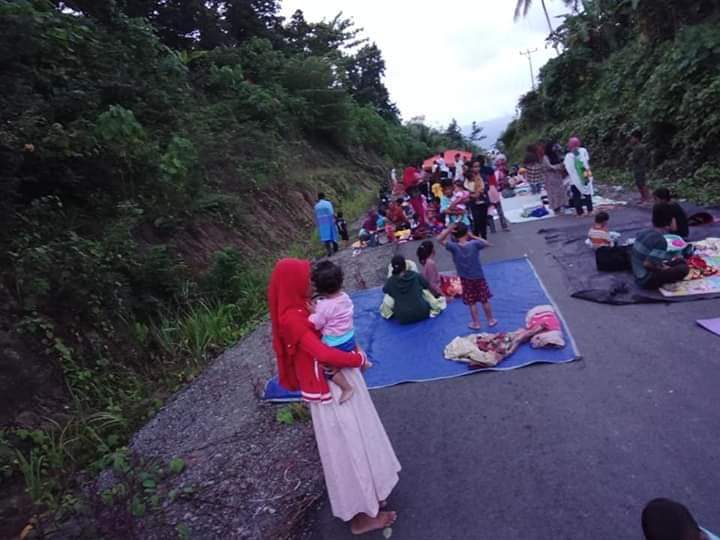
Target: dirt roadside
{"x": 246, "y": 475}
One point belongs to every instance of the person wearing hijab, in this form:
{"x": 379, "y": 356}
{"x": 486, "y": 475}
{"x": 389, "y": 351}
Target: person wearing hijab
{"x": 358, "y": 460}
{"x": 553, "y": 173}
{"x": 411, "y": 177}
{"x": 370, "y": 223}
{"x": 577, "y": 165}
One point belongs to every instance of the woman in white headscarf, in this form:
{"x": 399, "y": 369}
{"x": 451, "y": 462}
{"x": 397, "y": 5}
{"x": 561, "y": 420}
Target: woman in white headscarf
{"x": 577, "y": 165}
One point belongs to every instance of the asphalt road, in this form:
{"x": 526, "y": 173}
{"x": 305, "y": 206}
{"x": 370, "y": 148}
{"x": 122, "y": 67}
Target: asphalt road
{"x": 570, "y": 451}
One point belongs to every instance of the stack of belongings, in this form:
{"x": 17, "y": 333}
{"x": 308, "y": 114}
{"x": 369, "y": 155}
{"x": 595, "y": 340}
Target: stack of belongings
{"x": 542, "y": 328}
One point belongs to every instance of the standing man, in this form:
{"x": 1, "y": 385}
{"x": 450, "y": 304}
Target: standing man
{"x": 442, "y": 165}
{"x": 325, "y": 220}
{"x": 639, "y": 160}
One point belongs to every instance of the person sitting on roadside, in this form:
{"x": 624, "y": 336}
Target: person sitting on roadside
{"x": 652, "y": 263}
{"x": 680, "y": 224}
{"x": 663, "y": 519}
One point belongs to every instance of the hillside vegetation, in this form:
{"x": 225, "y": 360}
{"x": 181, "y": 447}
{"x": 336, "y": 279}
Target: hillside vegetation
{"x": 629, "y": 64}
{"x": 155, "y": 156}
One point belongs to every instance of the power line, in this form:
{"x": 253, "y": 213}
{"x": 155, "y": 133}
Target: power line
{"x": 529, "y": 53}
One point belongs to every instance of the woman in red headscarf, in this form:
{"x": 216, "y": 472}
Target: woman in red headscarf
{"x": 358, "y": 460}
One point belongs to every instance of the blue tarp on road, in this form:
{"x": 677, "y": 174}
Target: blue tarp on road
{"x": 414, "y": 353}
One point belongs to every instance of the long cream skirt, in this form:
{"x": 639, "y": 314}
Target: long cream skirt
{"x": 357, "y": 458}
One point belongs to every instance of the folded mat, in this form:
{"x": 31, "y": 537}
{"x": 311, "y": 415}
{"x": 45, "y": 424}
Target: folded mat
{"x": 414, "y": 353}
{"x": 618, "y": 288}
{"x": 712, "y": 325}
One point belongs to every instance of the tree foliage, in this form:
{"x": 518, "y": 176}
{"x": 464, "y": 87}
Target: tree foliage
{"x": 125, "y": 123}
{"x": 631, "y": 64}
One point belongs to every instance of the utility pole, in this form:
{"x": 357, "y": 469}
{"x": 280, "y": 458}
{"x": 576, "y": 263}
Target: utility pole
{"x": 529, "y": 54}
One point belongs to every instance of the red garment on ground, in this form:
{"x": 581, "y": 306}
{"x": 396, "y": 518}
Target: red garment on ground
{"x": 396, "y": 215}
{"x": 370, "y": 224}
{"x": 547, "y": 319}
{"x": 297, "y": 344}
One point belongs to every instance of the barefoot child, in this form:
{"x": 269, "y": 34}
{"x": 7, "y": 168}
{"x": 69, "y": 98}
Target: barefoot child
{"x": 332, "y": 315}
{"x": 465, "y": 250}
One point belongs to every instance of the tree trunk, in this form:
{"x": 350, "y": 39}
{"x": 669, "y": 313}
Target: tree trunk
{"x": 547, "y": 17}
{"x": 550, "y": 26}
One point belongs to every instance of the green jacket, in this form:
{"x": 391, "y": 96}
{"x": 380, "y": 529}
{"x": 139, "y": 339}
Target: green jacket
{"x": 407, "y": 291}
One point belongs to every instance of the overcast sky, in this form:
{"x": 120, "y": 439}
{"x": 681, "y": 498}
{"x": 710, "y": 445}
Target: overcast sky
{"x": 449, "y": 59}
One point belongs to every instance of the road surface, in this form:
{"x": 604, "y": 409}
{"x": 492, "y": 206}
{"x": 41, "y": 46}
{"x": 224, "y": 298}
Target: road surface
{"x": 570, "y": 451}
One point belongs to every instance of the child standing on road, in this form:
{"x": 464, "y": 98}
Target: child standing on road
{"x": 342, "y": 227}
{"x": 465, "y": 250}
{"x": 332, "y": 315}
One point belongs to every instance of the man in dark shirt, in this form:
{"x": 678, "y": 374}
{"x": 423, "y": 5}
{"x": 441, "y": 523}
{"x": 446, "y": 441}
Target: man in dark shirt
{"x": 681, "y": 226}
{"x": 639, "y": 160}
{"x": 652, "y": 264}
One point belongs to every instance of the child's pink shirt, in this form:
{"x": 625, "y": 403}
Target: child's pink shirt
{"x": 459, "y": 199}
{"x": 333, "y": 316}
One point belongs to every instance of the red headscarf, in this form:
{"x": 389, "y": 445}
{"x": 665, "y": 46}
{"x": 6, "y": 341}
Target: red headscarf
{"x": 287, "y": 299}
{"x": 410, "y": 177}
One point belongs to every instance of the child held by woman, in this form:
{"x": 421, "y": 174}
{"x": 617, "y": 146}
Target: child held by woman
{"x": 465, "y": 250}
{"x": 332, "y": 315}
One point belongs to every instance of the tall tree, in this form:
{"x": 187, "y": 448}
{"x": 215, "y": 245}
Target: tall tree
{"x": 330, "y": 39}
{"x": 253, "y": 18}
{"x": 186, "y": 24}
{"x": 454, "y": 135}
{"x": 365, "y": 72}
{"x": 522, "y": 8}
{"x": 476, "y": 133}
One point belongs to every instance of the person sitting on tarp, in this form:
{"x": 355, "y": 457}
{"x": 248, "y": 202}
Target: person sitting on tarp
{"x": 407, "y": 295}
{"x": 680, "y": 219}
{"x": 608, "y": 256}
{"x": 599, "y": 234}
{"x": 653, "y": 264}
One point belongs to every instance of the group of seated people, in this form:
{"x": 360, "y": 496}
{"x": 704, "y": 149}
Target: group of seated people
{"x": 650, "y": 256}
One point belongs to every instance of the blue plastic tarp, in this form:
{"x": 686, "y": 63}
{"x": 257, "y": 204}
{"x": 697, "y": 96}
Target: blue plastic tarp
{"x": 414, "y": 353}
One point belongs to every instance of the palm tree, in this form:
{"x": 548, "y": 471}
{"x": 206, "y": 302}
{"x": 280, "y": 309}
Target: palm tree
{"x": 523, "y": 6}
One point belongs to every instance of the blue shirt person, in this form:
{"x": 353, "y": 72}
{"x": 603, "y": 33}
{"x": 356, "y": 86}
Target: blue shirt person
{"x": 325, "y": 221}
